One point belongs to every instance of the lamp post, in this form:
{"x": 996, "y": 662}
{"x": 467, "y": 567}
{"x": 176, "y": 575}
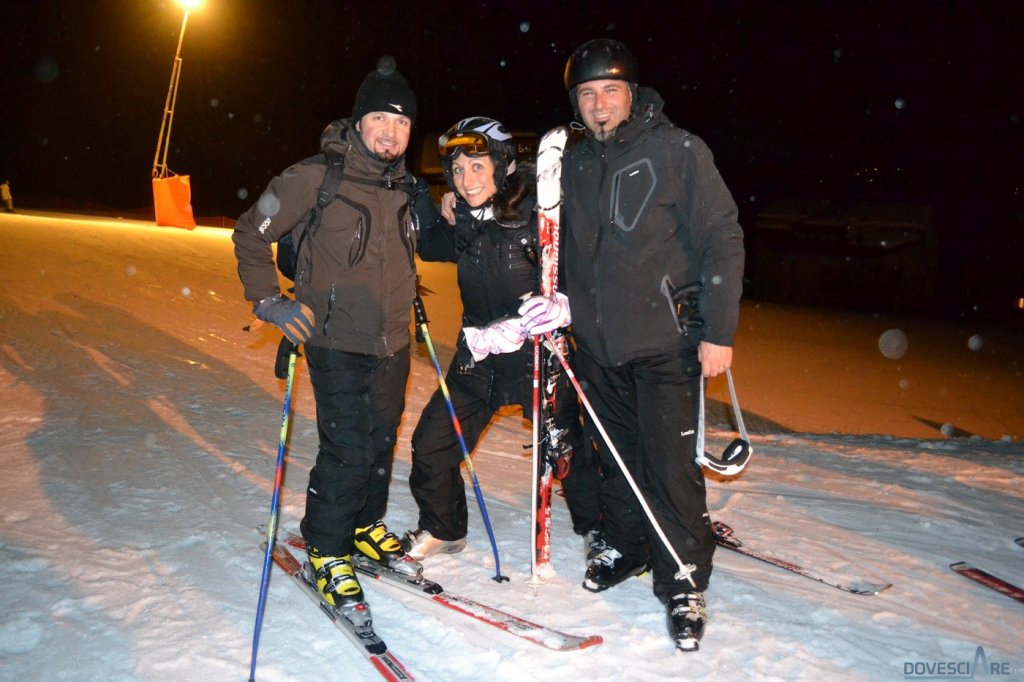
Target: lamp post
{"x": 164, "y": 140}
{"x": 172, "y": 196}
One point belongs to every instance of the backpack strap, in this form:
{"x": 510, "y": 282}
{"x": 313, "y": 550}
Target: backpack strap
{"x": 333, "y": 175}
{"x": 288, "y": 245}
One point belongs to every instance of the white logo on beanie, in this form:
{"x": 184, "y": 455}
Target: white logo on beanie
{"x": 397, "y": 107}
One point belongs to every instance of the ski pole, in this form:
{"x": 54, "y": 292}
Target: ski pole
{"x": 535, "y": 490}
{"x": 421, "y": 321}
{"x": 685, "y": 570}
{"x": 290, "y": 349}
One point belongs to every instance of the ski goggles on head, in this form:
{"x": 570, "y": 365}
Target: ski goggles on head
{"x": 467, "y": 142}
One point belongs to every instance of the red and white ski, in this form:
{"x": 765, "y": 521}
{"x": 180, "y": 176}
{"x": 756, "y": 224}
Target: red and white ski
{"x": 545, "y": 367}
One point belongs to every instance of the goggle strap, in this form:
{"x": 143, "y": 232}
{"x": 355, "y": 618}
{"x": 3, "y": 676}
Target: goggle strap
{"x": 741, "y": 427}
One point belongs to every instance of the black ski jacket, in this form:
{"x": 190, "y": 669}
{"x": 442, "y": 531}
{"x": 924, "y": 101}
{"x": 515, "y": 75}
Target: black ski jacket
{"x": 646, "y": 204}
{"x": 497, "y": 265}
{"x": 357, "y": 273}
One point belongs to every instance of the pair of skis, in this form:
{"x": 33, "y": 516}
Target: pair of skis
{"x": 366, "y": 641}
{"x": 373, "y": 647}
{"x": 391, "y": 668}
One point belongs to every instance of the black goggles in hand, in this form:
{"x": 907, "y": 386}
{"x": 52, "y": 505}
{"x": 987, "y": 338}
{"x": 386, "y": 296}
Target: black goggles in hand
{"x": 467, "y": 142}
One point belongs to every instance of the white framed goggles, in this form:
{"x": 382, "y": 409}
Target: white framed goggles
{"x": 737, "y": 454}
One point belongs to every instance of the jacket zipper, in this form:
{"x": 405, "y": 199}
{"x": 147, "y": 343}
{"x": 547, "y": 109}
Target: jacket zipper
{"x": 598, "y": 239}
{"x": 385, "y": 294}
{"x": 330, "y": 307}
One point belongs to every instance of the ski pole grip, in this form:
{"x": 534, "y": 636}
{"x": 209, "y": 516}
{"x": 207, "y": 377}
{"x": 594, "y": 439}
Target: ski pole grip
{"x": 284, "y": 351}
{"x": 419, "y": 310}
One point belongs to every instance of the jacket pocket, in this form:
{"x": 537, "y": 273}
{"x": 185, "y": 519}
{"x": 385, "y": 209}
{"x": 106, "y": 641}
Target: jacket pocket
{"x": 407, "y": 231}
{"x": 357, "y": 248}
{"x": 632, "y": 188}
{"x": 361, "y": 238}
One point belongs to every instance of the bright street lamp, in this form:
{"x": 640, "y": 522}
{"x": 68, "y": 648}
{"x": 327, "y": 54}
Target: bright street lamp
{"x": 172, "y": 195}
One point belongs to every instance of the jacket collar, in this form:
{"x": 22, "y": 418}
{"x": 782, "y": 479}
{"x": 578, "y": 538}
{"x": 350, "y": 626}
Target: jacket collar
{"x": 645, "y": 114}
{"x": 342, "y": 136}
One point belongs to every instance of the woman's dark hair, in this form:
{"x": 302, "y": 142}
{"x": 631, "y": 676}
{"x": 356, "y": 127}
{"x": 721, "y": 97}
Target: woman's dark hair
{"x": 507, "y": 202}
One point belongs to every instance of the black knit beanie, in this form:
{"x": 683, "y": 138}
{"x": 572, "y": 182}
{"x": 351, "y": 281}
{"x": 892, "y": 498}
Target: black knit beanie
{"x": 384, "y": 89}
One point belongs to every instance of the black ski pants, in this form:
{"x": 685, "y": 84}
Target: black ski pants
{"x": 359, "y": 404}
{"x": 649, "y": 409}
{"x": 436, "y": 478}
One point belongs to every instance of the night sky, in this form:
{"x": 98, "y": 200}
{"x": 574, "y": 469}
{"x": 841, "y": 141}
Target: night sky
{"x": 897, "y": 101}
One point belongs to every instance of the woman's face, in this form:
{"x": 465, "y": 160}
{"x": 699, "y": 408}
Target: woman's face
{"x": 474, "y": 179}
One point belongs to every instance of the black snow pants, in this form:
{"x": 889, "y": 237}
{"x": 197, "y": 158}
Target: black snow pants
{"x": 649, "y": 409}
{"x": 359, "y": 404}
{"x": 476, "y": 393}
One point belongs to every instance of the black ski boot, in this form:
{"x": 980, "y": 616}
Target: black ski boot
{"x": 608, "y": 568}
{"x": 687, "y": 616}
{"x": 593, "y": 544}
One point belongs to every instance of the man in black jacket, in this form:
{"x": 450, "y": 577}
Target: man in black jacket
{"x": 652, "y": 262}
{"x": 355, "y": 280}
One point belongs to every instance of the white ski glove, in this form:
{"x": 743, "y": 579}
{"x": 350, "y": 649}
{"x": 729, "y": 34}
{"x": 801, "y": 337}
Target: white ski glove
{"x": 501, "y": 336}
{"x": 542, "y": 314}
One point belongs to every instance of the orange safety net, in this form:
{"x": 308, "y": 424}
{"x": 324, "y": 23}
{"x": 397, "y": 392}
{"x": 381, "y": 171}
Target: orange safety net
{"x": 172, "y": 199}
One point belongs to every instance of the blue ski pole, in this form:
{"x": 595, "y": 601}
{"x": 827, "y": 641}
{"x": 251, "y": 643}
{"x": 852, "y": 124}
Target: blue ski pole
{"x": 421, "y": 320}
{"x": 288, "y": 348}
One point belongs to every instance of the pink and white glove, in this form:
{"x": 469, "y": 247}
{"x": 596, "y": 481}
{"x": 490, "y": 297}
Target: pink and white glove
{"x": 542, "y": 314}
{"x": 501, "y": 336}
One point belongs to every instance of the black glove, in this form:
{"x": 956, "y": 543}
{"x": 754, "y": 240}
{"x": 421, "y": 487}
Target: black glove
{"x": 295, "y": 319}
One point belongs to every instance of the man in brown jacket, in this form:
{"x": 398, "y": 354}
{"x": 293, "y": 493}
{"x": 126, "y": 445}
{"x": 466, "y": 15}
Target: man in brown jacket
{"x": 355, "y": 281}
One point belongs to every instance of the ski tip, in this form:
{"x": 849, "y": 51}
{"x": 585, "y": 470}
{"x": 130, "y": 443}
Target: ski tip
{"x": 1020, "y": 541}
{"x": 960, "y": 565}
{"x": 592, "y": 640}
{"x": 557, "y": 130}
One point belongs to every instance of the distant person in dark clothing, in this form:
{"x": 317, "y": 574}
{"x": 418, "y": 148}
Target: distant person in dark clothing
{"x": 5, "y": 195}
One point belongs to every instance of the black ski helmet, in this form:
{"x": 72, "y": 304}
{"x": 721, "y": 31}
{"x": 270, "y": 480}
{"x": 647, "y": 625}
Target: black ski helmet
{"x": 601, "y": 59}
{"x": 479, "y": 136}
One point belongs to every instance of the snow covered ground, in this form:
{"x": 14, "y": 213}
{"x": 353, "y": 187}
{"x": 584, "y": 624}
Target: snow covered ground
{"x": 139, "y": 437}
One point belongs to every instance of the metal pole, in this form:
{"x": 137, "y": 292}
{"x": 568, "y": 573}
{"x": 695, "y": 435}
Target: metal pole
{"x": 421, "y": 320}
{"x": 275, "y": 504}
{"x": 164, "y": 139}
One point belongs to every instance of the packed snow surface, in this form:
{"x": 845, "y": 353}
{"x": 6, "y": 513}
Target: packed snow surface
{"x": 140, "y": 434}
